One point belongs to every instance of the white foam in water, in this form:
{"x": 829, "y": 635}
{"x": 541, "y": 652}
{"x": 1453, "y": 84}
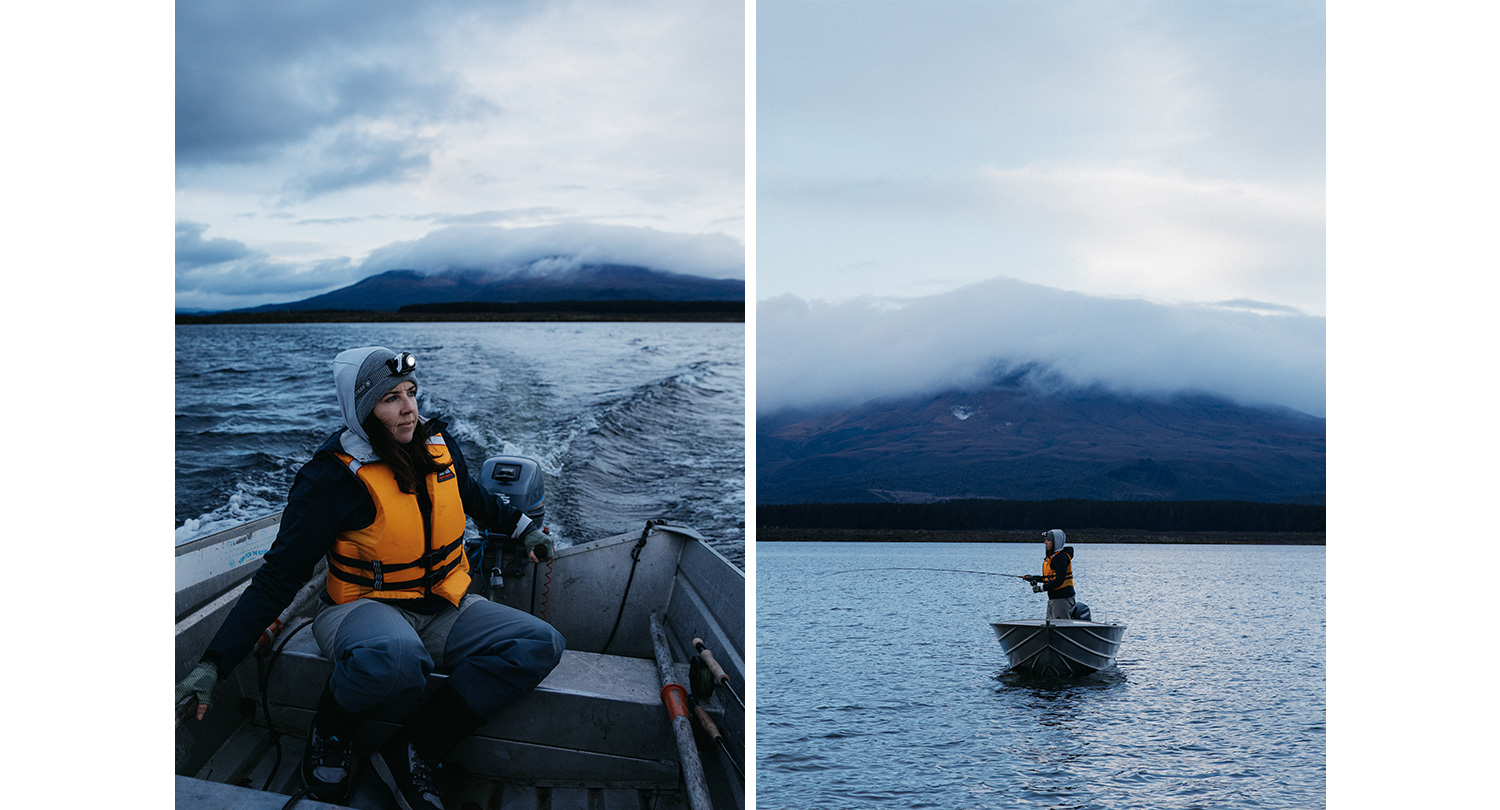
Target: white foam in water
{"x": 617, "y": 428}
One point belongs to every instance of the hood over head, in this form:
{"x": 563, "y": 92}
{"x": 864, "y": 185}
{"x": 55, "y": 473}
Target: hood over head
{"x": 362, "y": 376}
{"x": 1059, "y": 540}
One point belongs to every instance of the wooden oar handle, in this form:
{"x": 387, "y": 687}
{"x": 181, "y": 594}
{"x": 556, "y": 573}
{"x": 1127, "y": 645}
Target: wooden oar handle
{"x": 708, "y": 658}
{"x": 708, "y": 724}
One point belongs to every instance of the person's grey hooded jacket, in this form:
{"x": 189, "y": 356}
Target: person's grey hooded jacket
{"x": 327, "y": 499}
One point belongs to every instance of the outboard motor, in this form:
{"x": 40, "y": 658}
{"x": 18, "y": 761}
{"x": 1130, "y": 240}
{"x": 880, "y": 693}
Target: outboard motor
{"x": 515, "y": 480}
{"x": 1081, "y": 612}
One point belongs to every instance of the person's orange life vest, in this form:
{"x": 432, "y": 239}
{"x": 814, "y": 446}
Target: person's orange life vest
{"x": 399, "y": 556}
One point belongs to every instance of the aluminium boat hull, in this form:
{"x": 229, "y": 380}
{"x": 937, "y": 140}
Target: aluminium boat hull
{"x": 1059, "y": 648}
{"x": 593, "y": 732}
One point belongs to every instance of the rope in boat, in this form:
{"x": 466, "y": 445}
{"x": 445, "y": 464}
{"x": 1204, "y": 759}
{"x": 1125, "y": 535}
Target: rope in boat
{"x": 546, "y": 589}
{"x": 297, "y": 797}
{"x": 265, "y": 699}
{"x": 635, "y": 557}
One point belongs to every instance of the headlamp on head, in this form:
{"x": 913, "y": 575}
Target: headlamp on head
{"x": 403, "y": 363}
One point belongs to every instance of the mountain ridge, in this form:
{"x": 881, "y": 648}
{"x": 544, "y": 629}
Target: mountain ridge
{"x": 393, "y": 289}
{"x": 1015, "y": 442}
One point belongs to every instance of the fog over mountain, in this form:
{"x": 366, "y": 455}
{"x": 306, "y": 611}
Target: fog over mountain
{"x": 559, "y": 248}
{"x": 221, "y": 274}
{"x": 817, "y": 355}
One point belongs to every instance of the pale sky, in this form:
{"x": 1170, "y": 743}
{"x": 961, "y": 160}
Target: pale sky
{"x": 1171, "y": 150}
{"x": 310, "y": 137}
{"x": 1135, "y": 176}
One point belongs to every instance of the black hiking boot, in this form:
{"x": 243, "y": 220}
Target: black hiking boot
{"x": 328, "y": 763}
{"x": 412, "y": 781}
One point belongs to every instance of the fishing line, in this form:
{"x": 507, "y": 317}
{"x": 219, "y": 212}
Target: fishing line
{"x": 939, "y": 570}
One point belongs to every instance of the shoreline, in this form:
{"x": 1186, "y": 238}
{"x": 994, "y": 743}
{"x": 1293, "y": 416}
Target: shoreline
{"x": 664, "y": 315}
{"x": 772, "y": 534}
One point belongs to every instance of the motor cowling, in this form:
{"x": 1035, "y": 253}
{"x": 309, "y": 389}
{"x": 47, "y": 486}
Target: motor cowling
{"x": 516, "y": 480}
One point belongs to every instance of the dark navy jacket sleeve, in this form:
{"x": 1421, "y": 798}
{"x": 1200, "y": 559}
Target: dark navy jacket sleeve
{"x": 487, "y": 510}
{"x": 325, "y": 500}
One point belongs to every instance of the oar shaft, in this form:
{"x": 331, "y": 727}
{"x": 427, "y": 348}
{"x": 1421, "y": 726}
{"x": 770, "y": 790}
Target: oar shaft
{"x": 674, "y": 697}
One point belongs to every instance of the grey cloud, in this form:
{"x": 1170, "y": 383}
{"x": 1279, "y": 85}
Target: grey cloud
{"x": 257, "y": 280}
{"x": 495, "y": 248}
{"x": 813, "y": 353}
{"x": 253, "y": 79}
{"x": 491, "y": 217}
{"x": 1258, "y": 306}
{"x": 360, "y": 160}
{"x": 195, "y": 251}
{"x": 341, "y": 220}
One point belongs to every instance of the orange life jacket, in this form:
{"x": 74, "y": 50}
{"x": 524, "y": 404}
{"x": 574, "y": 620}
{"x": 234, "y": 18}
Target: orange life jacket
{"x": 399, "y": 555}
{"x": 1049, "y": 574}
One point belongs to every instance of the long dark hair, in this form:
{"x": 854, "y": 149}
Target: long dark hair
{"x": 409, "y": 461}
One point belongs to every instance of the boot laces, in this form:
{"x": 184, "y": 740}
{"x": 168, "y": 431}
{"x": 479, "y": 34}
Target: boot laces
{"x": 422, "y": 776}
{"x": 331, "y": 751}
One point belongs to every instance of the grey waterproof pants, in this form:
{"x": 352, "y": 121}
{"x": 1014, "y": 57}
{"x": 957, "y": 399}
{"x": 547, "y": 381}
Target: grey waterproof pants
{"x": 492, "y": 654}
{"x": 1060, "y": 608}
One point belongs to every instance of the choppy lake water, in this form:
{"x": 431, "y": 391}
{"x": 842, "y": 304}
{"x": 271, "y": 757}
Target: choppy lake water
{"x": 629, "y": 421}
{"x": 886, "y": 688}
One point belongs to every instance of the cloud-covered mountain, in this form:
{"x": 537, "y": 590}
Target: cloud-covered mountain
{"x": 818, "y": 354}
{"x": 1016, "y": 441}
{"x": 219, "y": 274}
{"x": 549, "y": 280}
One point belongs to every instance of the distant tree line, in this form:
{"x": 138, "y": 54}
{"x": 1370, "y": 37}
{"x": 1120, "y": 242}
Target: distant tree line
{"x": 599, "y": 307}
{"x": 706, "y": 311}
{"x": 1182, "y": 516}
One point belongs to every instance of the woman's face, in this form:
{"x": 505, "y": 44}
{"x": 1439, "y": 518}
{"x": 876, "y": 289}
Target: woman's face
{"x": 397, "y": 410}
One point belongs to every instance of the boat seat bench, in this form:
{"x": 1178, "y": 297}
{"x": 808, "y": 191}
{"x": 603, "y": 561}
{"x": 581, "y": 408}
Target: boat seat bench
{"x": 594, "y": 715}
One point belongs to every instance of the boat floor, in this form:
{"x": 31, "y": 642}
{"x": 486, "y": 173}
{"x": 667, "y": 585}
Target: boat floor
{"x": 459, "y": 791}
{"x": 593, "y": 736}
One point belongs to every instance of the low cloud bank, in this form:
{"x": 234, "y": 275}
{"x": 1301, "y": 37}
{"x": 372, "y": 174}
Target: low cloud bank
{"x": 571, "y": 244}
{"x": 217, "y": 274}
{"x": 817, "y": 354}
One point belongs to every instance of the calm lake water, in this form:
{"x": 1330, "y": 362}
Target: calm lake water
{"x": 628, "y": 421}
{"x": 886, "y": 688}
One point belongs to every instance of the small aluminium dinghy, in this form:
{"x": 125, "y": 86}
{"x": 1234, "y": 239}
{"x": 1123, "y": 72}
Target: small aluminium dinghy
{"x": 1059, "y": 648}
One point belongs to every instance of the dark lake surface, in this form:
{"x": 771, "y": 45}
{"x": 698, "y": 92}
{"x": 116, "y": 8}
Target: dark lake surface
{"x": 886, "y": 688}
{"x": 629, "y": 421}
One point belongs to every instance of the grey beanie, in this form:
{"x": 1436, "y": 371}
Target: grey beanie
{"x": 1057, "y": 537}
{"x": 362, "y": 376}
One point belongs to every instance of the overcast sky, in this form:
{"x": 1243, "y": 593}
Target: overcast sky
{"x": 313, "y": 137}
{"x": 1151, "y": 175}
{"x": 1412, "y": 167}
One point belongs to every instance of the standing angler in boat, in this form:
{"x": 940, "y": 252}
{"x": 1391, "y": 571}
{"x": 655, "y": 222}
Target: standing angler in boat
{"x": 384, "y": 500}
{"x": 1057, "y": 575}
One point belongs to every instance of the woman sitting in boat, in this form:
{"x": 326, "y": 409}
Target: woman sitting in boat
{"x": 1057, "y": 575}
{"x": 385, "y": 499}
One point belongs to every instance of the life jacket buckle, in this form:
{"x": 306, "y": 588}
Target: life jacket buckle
{"x": 379, "y": 577}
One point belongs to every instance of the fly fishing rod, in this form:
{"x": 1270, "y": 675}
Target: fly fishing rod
{"x": 940, "y": 570}
{"x": 720, "y": 677}
{"x": 712, "y": 731}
